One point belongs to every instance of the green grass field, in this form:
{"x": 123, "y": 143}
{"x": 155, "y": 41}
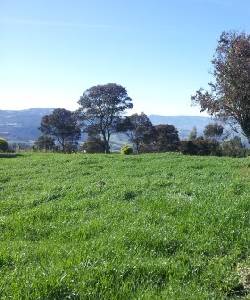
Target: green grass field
{"x": 156, "y": 226}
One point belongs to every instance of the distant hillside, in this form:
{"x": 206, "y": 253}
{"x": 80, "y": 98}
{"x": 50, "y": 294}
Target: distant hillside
{"x": 184, "y": 124}
{"x": 22, "y": 125}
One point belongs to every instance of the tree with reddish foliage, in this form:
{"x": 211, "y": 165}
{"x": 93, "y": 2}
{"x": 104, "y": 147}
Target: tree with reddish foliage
{"x": 229, "y": 94}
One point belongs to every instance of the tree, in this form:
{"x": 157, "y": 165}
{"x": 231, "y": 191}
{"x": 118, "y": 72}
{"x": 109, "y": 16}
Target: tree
{"x": 213, "y": 131}
{"x": 139, "y": 129}
{"x": 193, "y": 134}
{"x": 167, "y": 138}
{"x": 62, "y": 125}
{"x": 45, "y": 142}
{"x": 229, "y": 94}
{"x": 101, "y": 108}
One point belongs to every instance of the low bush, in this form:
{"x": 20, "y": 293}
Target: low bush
{"x": 234, "y": 148}
{"x": 126, "y": 149}
{"x": 200, "y": 147}
{"x": 188, "y": 147}
{"x": 94, "y": 145}
{"x": 4, "y": 146}
{"x": 8, "y": 155}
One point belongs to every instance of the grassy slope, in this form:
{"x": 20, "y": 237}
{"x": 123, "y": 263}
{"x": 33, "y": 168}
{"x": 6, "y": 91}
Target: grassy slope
{"x": 160, "y": 226}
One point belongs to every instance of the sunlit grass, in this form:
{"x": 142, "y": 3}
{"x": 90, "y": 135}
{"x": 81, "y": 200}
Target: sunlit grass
{"x": 158, "y": 226}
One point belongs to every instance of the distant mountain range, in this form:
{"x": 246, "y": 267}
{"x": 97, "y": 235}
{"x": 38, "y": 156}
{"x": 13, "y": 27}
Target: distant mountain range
{"x": 184, "y": 124}
{"x": 22, "y": 125}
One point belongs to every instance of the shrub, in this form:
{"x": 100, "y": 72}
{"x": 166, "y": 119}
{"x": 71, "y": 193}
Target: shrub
{"x": 126, "y": 149}
{"x": 94, "y": 145}
{"x": 234, "y": 148}
{"x": 200, "y": 147}
{"x": 188, "y": 147}
{"x": 208, "y": 147}
{"x": 70, "y": 147}
{"x": 4, "y": 146}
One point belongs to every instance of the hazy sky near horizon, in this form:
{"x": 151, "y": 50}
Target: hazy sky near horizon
{"x": 160, "y": 50}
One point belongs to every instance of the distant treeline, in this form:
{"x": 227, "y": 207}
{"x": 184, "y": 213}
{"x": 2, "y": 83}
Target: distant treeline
{"x": 62, "y": 134}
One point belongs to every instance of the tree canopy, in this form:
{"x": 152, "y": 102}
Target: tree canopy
{"x": 138, "y": 128}
{"x": 166, "y": 138}
{"x": 229, "y": 94}
{"x": 193, "y": 134}
{"x": 213, "y": 131}
{"x": 62, "y": 125}
{"x": 101, "y": 108}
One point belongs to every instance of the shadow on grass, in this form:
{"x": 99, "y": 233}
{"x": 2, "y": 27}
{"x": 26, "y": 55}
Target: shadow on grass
{"x": 10, "y": 155}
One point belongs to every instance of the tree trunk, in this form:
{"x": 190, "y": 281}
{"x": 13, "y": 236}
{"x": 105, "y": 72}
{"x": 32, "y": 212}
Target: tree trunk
{"x": 63, "y": 145}
{"x": 137, "y": 148}
{"x": 107, "y": 148}
{"x": 106, "y": 143}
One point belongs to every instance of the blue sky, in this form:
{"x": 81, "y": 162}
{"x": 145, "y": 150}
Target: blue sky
{"x": 160, "y": 50}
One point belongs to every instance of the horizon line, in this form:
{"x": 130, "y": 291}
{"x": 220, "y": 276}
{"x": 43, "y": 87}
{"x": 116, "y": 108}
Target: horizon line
{"x": 150, "y": 114}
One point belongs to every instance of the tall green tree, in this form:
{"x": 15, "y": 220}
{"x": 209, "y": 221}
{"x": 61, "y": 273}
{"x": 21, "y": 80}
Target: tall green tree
{"x": 166, "y": 138}
{"x": 62, "y": 125}
{"x": 213, "y": 131}
{"x": 193, "y": 134}
{"x": 101, "y": 108}
{"x": 229, "y": 95}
